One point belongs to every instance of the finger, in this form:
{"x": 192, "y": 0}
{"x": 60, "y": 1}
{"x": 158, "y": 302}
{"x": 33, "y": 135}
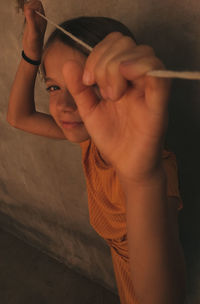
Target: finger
{"x": 156, "y": 89}
{"x": 84, "y": 96}
{"x": 97, "y": 52}
{"x": 30, "y": 7}
{"x": 107, "y": 72}
{"x": 33, "y": 4}
{"x": 106, "y": 66}
{"x": 136, "y": 68}
{"x": 31, "y": 17}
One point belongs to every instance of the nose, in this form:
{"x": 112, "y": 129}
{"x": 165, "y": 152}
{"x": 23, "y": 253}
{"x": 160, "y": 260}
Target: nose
{"x": 65, "y": 102}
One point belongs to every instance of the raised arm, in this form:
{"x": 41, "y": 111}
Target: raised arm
{"x": 21, "y": 108}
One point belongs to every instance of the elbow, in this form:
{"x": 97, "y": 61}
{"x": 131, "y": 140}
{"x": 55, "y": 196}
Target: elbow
{"x": 11, "y": 122}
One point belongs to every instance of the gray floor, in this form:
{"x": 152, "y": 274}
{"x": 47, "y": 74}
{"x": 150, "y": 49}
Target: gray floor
{"x": 29, "y": 276}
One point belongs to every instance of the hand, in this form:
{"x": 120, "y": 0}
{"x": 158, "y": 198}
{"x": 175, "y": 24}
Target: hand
{"x": 35, "y": 28}
{"x": 128, "y": 130}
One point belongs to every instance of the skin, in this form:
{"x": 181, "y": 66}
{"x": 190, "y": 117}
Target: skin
{"x": 61, "y": 103}
{"x": 127, "y": 123}
{"x": 129, "y": 126}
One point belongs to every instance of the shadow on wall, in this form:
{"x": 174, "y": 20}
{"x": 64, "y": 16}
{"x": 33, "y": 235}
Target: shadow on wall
{"x": 179, "y": 51}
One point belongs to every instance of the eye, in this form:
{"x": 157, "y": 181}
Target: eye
{"x": 52, "y": 88}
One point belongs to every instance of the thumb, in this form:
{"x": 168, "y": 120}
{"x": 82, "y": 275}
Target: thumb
{"x": 84, "y": 96}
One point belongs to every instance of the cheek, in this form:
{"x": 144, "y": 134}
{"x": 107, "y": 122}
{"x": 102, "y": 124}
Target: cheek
{"x": 52, "y": 107}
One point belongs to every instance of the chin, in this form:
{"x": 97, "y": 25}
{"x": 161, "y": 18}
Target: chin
{"x": 77, "y": 139}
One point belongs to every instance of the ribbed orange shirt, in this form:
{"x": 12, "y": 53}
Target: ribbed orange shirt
{"x": 106, "y": 204}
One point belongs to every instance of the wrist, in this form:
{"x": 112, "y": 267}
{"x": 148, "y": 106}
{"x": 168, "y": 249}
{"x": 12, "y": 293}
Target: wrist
{"x": 143, "y": 164}
{"x": 33, "y": 54}
{"x": 31, "y": 60}
{"x": 153, "y": 178}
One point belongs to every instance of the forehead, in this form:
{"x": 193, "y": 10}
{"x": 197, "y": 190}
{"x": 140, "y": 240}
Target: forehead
{"x": 57, "y": 55}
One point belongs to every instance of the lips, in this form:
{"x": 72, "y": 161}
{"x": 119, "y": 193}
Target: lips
{"x": 71, "y": 124}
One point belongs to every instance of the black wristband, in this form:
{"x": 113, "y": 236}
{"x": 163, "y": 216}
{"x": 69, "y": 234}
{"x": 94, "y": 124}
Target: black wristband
{"x": 34, "y": 62}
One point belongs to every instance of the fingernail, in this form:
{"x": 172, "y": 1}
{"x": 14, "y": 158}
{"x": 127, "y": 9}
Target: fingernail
{"x": 87, "y": 79}
{"x": 110, "y": 92}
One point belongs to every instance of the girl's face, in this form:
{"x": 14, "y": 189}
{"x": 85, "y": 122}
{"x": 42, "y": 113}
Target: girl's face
{"x": 61, "y": 104}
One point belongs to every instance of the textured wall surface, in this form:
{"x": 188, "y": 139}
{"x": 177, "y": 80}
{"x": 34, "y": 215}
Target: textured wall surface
{"x": 43, "y": 196}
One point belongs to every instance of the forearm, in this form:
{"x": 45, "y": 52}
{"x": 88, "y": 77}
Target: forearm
{"x": 21, "y": 101}
{"x": 154, "y": 252}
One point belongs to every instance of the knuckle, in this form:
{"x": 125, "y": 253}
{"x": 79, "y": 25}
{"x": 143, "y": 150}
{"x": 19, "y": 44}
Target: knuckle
{"x": 101, "y": 47}
{"x": 159, "y": 63}
{"x": 114, "y": 35}
{"x": 155, "y": 63}
{"x": 111, "y": 67}
{"x": 146, "y": 49}
{"x": 99, "y": 73}
{"x": 32, "y": 3}
{"x": 104, "y": 42}
{"x": 126, "y": 41}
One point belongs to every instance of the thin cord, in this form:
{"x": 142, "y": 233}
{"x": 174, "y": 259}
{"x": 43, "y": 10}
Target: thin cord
{"x": 175, "y": 74}
{"x": 67, "y": 33}
{"x": 155, "y": 73}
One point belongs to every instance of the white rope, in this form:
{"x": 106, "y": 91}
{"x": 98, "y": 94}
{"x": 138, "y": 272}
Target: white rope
{"x": 67, "y": 33}
{"x": 175, "y": 74}
{"x": 155, "y": 73}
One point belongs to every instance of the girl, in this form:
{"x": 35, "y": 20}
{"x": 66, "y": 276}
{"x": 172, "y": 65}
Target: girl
{"x": 132, "y": 184}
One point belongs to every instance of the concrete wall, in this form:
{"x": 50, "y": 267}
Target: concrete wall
{"x": 43, "y": 195}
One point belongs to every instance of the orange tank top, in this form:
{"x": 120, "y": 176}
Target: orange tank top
{"x": 106, "y": 204}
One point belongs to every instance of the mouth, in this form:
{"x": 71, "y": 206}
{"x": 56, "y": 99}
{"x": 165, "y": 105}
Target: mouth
{"x": 71, "y": 124}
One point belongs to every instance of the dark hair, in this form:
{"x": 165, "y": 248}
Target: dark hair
{"x": 90, "y": 30}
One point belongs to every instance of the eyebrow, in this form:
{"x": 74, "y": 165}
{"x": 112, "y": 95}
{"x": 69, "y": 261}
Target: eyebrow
{"x": 48, "y": 79}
